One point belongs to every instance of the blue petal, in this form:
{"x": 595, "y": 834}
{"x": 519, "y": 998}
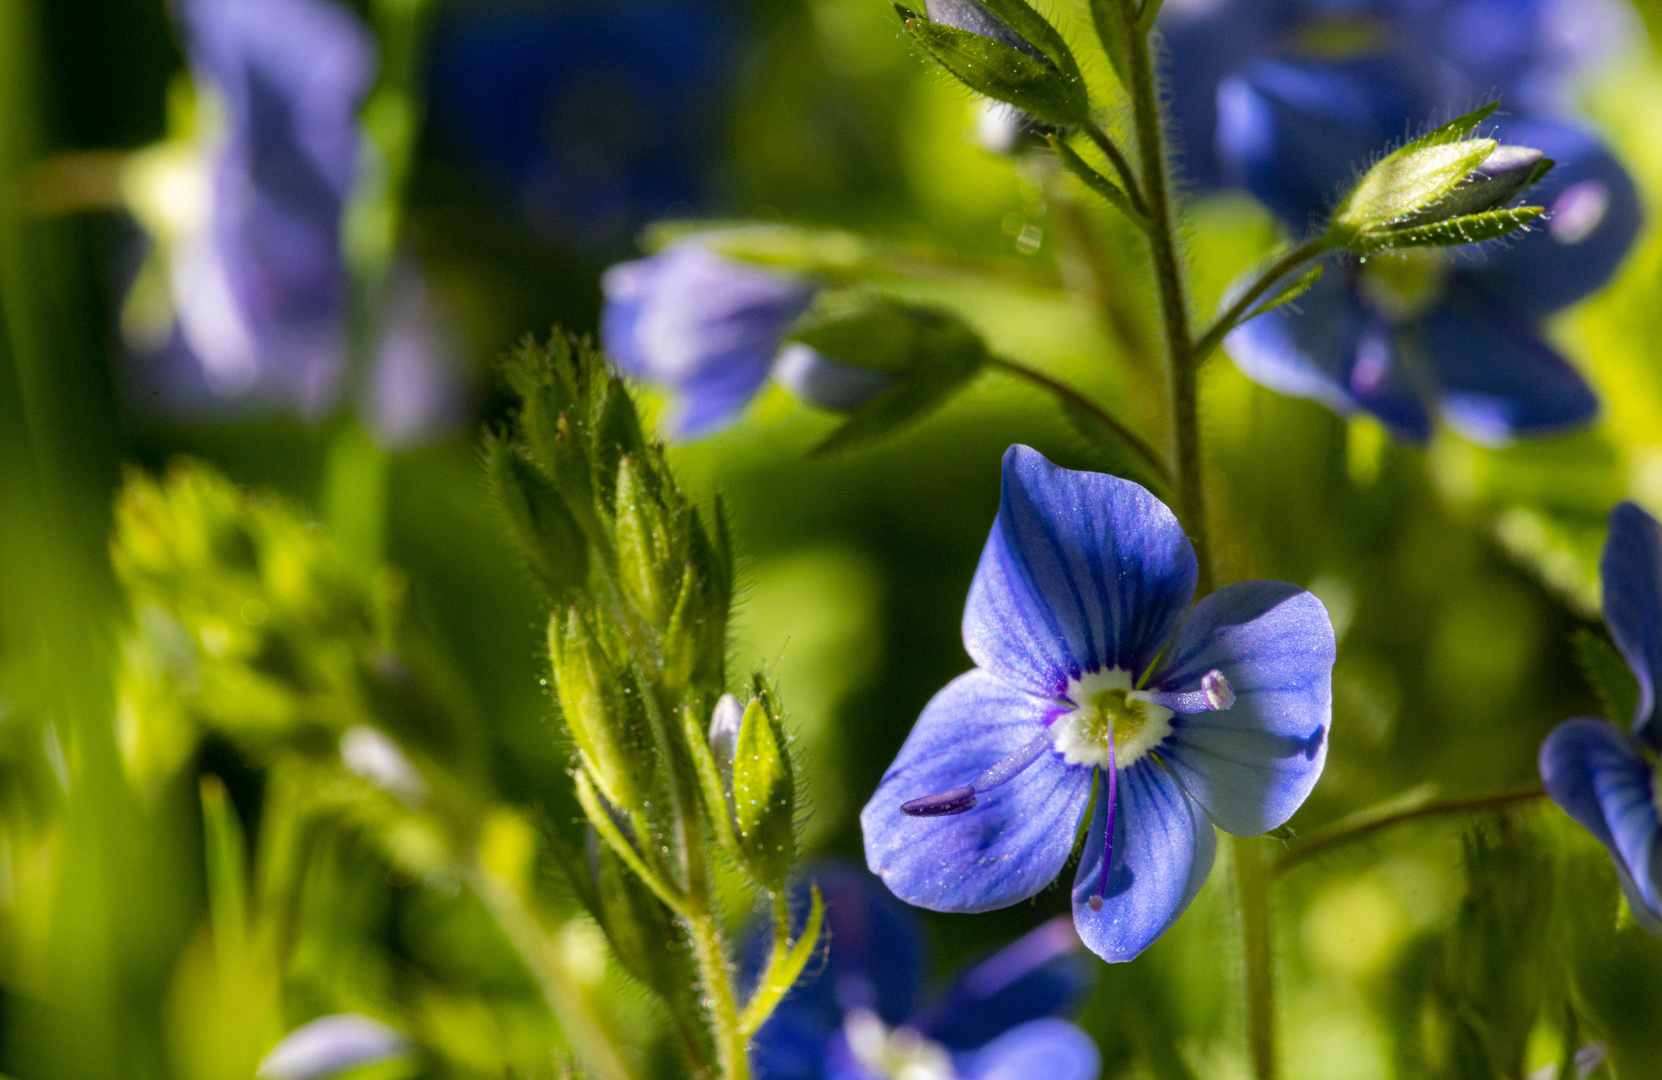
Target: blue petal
{"x": 707, "y": 327}
{"x": 1043, "y": 973}
{"x": 1296, "y": 135}
{"x": 792, "y": 1045}
{"x": 1008, "y": 847}
{"x": 1202, "y": 45}
{"x": 1163, "y": 850}
{"x": 1631, "y": 567}
{"x": 1082, "y": 572}
{"x": 1498, "y": 380}
{"x": 1326, "y": 346}
{"x": 1599, "y": 777}
{"x": 331, "y": 1045}
{"x": 1593, "y": 217}
{"x": 1251, "y": 766}
{"x": 1052, "y": 1049}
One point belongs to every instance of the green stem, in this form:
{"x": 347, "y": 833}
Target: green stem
{"x": 1252, "y": 883}
{"x": 1168, "y": 273}
{"x": 1128, "y": 176}
{"x": 1369, "y": 822}
{"x": 1067, "y": 393}
{"x": 717, "y": 977}
{"x": 1226, "y": 322}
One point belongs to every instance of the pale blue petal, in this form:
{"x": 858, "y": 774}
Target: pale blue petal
{"x": 331, "y": 1045}
{"x": 1008, "y": 847}
{"x": 1083, "y": 571}
{"x": 1631, "y": 567}
{"x": 1597, "y": 774}
{"x": 1255, "y": 763}
{"x": 1163, "y": 849}
{"x": 1048, "y": 1049}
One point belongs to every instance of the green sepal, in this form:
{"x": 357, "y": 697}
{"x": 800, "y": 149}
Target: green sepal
{"x": 600, "y": 816}
{"x": 764, "y": 796}
{"x": 603, "y": 711}
{"x": 1288, "y": 292}
{"x": 717, "y": 807}
{"x": 226, "y": 857}
{"x": 1036, "y": 30}
{"x": 1114, "y": 27}
{"x": 933, "y": 353}
{"x": 1004, "y": 74}
{"x": 1469, "y": 229}
{"x": 780, "y": 977}
{"x": 548, "y": 536}
{"x": 1413, "y": 177}
{"x": 1608, "y": 674}
{"x": 648, "y": 569}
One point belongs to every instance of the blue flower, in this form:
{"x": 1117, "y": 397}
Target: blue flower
{"x": 593, "y": 118}
{"x": 331, "y": 1045}
{"x": 712, "y": 330}
{"x": 1602, "y": 776}
{"x": 857, "y": 1016}
{"x": 1413, "y": 337}
{"x": 1093, "y": 669}
{"x": 258, "y": 282}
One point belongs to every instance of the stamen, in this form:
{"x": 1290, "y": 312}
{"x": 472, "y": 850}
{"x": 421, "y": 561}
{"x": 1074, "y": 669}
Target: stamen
{"x": 1094, "y": 902}
{"x": 959, "y": 799}
{"x": 1215, "y": 694}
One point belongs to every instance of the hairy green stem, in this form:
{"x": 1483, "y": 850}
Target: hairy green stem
{"x": 1067, "y": 393}
{"x": 1128, "y": 176}
{"x": 1279, "y": 269}
{"x": 1366, "y": 823}
{"x": 717, "y": 976}
{"x": 1252, "y": 884}
{"x": 1168, "y": 273}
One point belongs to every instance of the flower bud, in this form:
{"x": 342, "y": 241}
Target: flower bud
{"x": 603, "y": 711}
{"x": 544, "y": 528}
{"x": 973, "y": 17}
{"x": 1007, "y": 51}
{"x": 764, "y": 796}
{"x": 827, "y": 383}
{"x": 1502, "y": 175}
{"x": 649, "y": 570}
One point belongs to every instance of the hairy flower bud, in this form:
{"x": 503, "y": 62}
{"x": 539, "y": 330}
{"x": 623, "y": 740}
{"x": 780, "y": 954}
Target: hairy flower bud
{"x": 603, "y": 711}
{"x": 648, "y": 566}
{"x": 1502, "y": 175}
{"x": 763, "y": 793}
{"x": 542, "y": 525}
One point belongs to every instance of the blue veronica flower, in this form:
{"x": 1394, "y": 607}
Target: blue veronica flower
{"x": 259, "y": 284}
{"x": 1602, "y": 776}
{"x": 712, "y": 330}
{"x": 1093, "y": 670}
{"x": 593, "y": 118}
{"x": 1457, "y": 334}
{"x": 857, "y": 1017}
{"x": 331, "y": 1045}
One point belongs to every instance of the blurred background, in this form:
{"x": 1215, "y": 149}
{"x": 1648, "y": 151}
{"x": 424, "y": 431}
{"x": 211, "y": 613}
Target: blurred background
{"x": 153, "y": 924}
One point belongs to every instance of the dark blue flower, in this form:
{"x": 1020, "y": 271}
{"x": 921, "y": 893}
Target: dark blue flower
{"x": 1093, "y": 670}
{"x": 856, "y": 1016}
{"x": 1603, "y": 777}
{"x": 593, "y": 118}
{"x": 258, "y": 281}
{"x": 712, "y": 330}
{"x": 1408, "y": 338}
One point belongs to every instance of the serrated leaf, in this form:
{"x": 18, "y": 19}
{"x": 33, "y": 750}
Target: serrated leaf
{"x": 1289, "y": 292}
{"x": 764, "y": 797}
{"x": 1004, "y": 74}
{"x": 1469, "y": 229}
{"x": 1608, "y": 674}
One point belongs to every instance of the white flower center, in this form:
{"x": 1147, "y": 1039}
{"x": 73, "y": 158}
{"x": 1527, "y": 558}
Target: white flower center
{"x": 1104, "y": 703}
{"x": 897, "y": 1054}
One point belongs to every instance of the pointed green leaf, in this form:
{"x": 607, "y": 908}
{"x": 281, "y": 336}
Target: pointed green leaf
{"x": 1004, "y": 74}
{"x": 1114, "y": 28}
{"x": 1406, "y": 181}
{"x": 1020, "y": 17}
{"x": 783, "y": 976}
{"x": 1470, "y": 229}
{"x": 764, "y": 797}
{"x": 1289, "y": 292}
{"x": 1094, "y": 180}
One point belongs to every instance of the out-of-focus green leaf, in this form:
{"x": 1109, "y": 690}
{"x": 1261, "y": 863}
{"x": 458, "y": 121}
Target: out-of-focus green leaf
{"x": 1609, "y": 676}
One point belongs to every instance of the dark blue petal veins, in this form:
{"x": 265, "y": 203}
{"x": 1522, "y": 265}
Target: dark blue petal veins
{"x": 1082, "y": 571}
{"x": 1252, "y": 765}
{"x": 1016, "y": 839}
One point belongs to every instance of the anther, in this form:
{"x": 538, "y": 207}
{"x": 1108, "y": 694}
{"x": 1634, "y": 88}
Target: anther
{"x": 1215, "y": 694}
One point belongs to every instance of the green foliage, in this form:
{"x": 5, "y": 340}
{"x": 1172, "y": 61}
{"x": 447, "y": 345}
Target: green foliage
{"x": 1004, "y": 74}
{"x": 1289, "y": 292}
{"x": 1451, "y": 232}
{"x": 764, "y": 794}
{"x": 1608, "y": 674}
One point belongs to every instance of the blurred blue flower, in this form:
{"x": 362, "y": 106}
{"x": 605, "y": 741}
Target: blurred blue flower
{"x": 856, "y": 1017}
{"x": 1093, "y": 669}
{"x": 258, "y": 284}
{"x": 593, "y": 118}
{"x": 331, "y": 1045}
{"x": 712, "y": 330}
{"x": 1410, "y": 337}
{"x": 1600, "y": 775}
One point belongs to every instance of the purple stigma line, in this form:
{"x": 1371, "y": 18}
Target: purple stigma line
{"x": 959, "y": 799}
{"x": 1094, "y": 902}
